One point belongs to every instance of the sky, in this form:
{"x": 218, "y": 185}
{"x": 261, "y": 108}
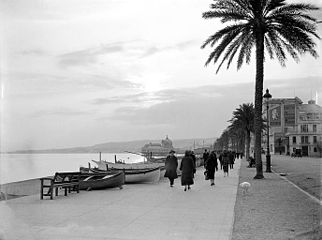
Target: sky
{"x": 79, "y": 73}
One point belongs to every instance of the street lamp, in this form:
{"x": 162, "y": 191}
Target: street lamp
{"x": 267, "y": 96}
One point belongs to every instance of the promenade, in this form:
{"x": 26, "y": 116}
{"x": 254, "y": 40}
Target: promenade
{"x": 140, "y": 211}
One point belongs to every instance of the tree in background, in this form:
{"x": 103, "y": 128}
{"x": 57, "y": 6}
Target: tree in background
{"x": 280, "y": 27}
{"x": 243, "y": 119}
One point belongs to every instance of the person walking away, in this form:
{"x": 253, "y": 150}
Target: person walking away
{"x": 205, "y": 157}
{"x": 188, "y": 168}
{"x": 192, "y": 154}
{"x": 220, "y": 160}
{"x": 171, "y": 165}
{"x": 231, "y": 160}
{"x": 212, "y": 167}
{"x": 225, "y": 160}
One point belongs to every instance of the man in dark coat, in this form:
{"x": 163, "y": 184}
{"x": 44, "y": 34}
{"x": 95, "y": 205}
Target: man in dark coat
{"x": 171, "y": 165}
{"x": 220, "y": 160}
{"x": 212, "y": 167}
{"x": 205, "y": 157}
{"x": 225, "y": 162}
{"x": 231, "y": 160}
{"x": 188, "y": 168}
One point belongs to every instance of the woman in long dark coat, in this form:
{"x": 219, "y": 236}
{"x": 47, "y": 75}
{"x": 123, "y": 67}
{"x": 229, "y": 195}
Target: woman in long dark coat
{"x": 187, "y": 167}
{"x": 212, "y": 167}
{"x": 171, "y": 165}
{"x": 225, "y": 160}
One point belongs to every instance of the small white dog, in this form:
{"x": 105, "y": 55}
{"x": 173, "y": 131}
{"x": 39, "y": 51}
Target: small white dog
{"x": 245, "y": 186}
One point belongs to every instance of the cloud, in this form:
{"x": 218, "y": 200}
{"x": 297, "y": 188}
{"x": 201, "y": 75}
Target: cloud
{"x": 304, "y": 88}
{"x": 89, "y": 55}
{"x": 128, "y": 98}
{"x": 133, "y": 48}
{"x": 178, "y": 46}
{"x": 167, "y": 95}
{"x": 189, "y": 104}
{"x": 58, "y": 112}
{"x": 24, "y": 84}
{"x": 35, "y": 52}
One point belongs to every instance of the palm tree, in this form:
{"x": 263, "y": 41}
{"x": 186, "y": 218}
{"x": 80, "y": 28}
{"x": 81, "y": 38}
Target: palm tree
{"x": 236, "y": 135}
{"x": 280, "y": 27}
{"x": 243, "y": 118}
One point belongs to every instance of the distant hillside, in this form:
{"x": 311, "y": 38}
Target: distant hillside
{"x": 131, "y": 146}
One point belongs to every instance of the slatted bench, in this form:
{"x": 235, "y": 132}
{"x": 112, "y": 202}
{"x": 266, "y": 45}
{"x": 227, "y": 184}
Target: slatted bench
{"x": 69, "y": 181}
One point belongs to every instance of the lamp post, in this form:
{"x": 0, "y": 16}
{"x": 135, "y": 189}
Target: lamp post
{"x": 267, "y": 96}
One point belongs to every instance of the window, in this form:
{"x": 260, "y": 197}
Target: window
{"x": 303, "y": 117}
{"x": 310, "y": 116}
{"x": 315, "y": 139}
{"x": 304, "y": 128}
{"x": 314, "y": 128}
{"x": 294, "y": 139}
{"x": 315, "y": 149}
{"x": 304, "y": 139}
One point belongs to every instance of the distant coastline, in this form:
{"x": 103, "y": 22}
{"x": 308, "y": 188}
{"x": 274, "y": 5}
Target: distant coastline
{"x": 119, "y": 147}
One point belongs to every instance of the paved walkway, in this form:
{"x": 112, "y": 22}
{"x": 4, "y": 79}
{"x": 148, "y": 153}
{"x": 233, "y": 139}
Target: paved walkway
{"x": 143, "y": 211}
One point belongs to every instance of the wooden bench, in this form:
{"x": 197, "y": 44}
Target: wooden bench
{"x": 69, "y": 181}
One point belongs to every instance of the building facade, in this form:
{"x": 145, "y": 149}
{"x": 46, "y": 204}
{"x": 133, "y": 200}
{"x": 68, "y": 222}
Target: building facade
{"x": 294, "y": 127}
{"x": 157, "y": 149}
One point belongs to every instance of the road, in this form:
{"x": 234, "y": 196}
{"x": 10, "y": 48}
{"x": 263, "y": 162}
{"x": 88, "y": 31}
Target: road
{"x": 305, "y": 172}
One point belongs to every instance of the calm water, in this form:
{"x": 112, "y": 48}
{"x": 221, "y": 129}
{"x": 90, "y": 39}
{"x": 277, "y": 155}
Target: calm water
{"x": 18, "y": 167}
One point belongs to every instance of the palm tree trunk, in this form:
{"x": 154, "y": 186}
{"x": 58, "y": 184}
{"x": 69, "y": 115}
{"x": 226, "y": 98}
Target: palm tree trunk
{"x": 247, "y": 141}
{"x": 259, "y": 101}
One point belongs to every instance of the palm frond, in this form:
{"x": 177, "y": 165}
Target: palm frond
{"x": 273, "y": 4}
{"x": 245, "y": 52}
{"x": 277, "y": 46}
{"x": 286, "y": 28}
{"x": 269, "y": 47}
{"x": 227, "y": 39}
{"x": 218, "y": 35}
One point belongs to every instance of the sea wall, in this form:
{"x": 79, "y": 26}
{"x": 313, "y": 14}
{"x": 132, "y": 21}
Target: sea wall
{"x": 21, "y": 188}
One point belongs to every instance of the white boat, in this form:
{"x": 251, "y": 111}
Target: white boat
{"x": 135, "y": 172}
{"x": 142, "y": 176}
{"x": 105, "y": 165}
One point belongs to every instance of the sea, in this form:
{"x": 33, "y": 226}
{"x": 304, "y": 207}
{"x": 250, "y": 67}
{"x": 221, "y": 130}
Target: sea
{"x": 20, "y": 167}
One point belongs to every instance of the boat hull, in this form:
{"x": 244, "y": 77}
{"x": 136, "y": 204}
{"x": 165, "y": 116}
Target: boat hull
{"x": 143, "y": 175}
{"x": 150, "y": 175}
{"x": 104, "y": 165}
{"x": 95, "y": 181}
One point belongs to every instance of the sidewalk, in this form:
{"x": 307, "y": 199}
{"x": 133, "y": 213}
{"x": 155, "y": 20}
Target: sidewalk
{"x": 274, "y": 210}
{"x": 141, "y": 211}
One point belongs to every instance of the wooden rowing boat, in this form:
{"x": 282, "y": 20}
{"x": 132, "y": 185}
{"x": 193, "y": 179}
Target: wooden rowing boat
{"x": 142, "y": 175}
{"x": 94, "y": 181}
{"x": 132, "y": 175}
{"x": 105, "y": 165}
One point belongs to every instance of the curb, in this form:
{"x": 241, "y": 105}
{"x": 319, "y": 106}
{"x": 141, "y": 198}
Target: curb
{"x": 315, "y": 199}
{"x": 233, "y": 217}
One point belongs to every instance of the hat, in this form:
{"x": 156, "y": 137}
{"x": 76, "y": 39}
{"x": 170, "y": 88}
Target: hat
{"x": 172, "y": 151}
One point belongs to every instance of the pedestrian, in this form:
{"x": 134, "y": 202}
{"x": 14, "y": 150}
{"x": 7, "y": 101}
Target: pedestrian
{"x": 171, "y": 165}
{"x": 212, "y": 167}
{"x": 231, "y": 160}
{"x": 192, "y": 154}
{"x": 187, "y": 167}
{"x": 220, "y": 160}
{"x": 205, "y": 156}
{"x": 225, "y": 160}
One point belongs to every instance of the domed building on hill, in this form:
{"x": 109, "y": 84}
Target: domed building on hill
{"x": 157, "y": 149}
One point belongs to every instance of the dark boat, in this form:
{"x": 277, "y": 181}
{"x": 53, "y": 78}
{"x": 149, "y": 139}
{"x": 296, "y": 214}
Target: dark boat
{"x": 132, "y": 175}
{"x": 94, "y": 181}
